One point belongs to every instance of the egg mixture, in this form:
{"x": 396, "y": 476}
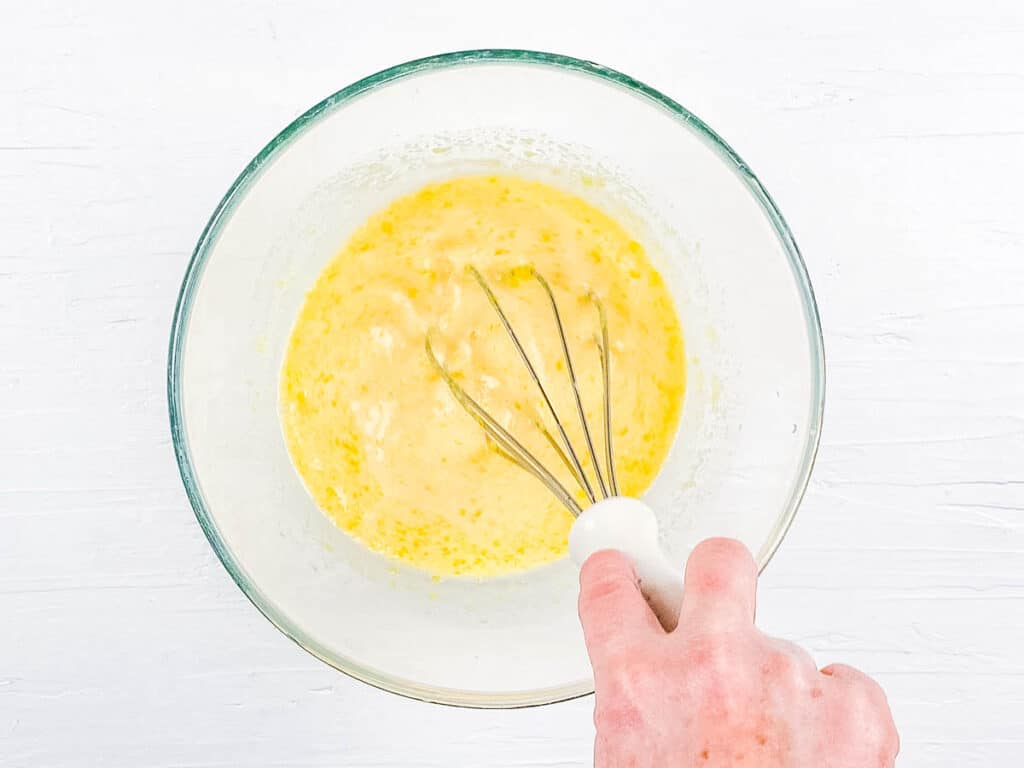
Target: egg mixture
{"x": 373, "y": 430}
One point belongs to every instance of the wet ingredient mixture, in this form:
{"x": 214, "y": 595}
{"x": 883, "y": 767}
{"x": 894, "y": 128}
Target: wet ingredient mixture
{"x": 373, "y": 430}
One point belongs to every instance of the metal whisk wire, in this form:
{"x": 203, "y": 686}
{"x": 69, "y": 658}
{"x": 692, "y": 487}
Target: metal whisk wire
{"x": 509, "y": 445}
{"x": 606, "y": 377}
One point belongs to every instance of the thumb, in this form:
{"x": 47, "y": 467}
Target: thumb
{"x": 612, "y": 609}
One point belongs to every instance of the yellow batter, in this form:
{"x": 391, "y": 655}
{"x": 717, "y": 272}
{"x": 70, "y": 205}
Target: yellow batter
{"x": 374, "y": 431}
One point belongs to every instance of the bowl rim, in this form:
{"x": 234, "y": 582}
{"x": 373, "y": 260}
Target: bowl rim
{"x": 253, "y": 170}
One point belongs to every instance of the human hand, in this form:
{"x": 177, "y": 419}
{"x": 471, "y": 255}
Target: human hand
{"x": 716, "y": 692}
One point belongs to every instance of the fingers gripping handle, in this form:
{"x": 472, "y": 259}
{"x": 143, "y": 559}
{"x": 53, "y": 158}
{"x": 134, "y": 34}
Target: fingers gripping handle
{"x": 630, "y": 526}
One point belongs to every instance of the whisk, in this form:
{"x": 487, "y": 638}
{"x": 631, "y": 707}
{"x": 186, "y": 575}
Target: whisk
{"x": 609, "y": 520}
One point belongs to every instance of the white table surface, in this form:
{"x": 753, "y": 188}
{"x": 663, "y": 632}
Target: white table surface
{"x": 890, "y": 134}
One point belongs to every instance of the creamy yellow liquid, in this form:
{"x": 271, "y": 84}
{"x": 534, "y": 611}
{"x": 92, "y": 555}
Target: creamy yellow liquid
{"x": 375, "y": 433}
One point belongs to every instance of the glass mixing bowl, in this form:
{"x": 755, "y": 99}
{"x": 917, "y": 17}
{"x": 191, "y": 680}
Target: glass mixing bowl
{"x": 753, "y": 408}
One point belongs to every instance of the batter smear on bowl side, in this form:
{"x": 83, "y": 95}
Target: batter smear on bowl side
{"x": 373, "y": 430}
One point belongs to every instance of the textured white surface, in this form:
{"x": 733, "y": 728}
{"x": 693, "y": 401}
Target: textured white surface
{"x": 892, "y": 137}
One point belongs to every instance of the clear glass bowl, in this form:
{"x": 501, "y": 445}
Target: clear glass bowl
{"x": 753, "y": 408}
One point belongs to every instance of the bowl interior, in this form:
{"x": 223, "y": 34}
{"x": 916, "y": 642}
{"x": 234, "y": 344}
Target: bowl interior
{"x": 750, "y": 421}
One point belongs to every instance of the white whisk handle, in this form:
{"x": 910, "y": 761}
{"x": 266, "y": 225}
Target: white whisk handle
{"x": 631, "y": 527}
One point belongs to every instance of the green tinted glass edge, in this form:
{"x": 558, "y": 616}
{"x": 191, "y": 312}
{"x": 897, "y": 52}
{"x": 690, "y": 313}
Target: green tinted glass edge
{"x": 252, "y": 171}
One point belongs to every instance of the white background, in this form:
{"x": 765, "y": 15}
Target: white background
{"x": 890, "y": 134}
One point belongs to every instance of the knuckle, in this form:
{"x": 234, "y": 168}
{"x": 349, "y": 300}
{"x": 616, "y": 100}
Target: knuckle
{"x": 618, "y": 716}
{"x": 712, "y": 660}
{"x": 783, "y": 673}
{"x": 604, "y": 585}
